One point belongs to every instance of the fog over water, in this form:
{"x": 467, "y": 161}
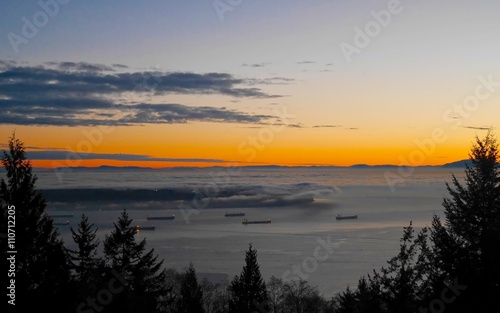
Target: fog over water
{"x": 303, "y": 240}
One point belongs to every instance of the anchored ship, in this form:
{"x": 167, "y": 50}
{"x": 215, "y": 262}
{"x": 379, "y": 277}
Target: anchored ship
{"x": 233, "y": 214}
{"x": 139, "y": 228}
{"x": 172, "y": 217}
{"x": 346, "y": 217}
{"x": 246, "y": 222}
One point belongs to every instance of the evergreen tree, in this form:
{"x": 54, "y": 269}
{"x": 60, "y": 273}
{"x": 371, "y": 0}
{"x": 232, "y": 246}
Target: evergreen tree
{"x": 120, "y": 249}
{"x": 248, "y": 291}
{"x": 191, "y": 300}
{"x": 142, "y": 272}
{"x": 42, "y": 273}
{"x": 84, "y": 262}
{"x": 369, "y": 296}
{"x": 346, "y": 302}
{"x": 403, "y": 286}
{"x": 467, "y": 245}
{"x": 404, "y": 282}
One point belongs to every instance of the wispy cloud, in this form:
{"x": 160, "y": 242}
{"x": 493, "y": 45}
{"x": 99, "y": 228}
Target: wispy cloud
{"x": 326, "y": 126}
{"x": 306, "y": 62}
{"x": 477, "y": 127}
{"x": 264, "y": 64}
{"x": 83, "y": 94}
{"x": 270, "y": 81}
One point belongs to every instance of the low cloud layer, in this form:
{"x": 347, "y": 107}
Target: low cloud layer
{"x": 229, "y": 196}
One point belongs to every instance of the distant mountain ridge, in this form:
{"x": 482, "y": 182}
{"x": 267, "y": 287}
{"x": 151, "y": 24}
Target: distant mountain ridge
{"x": 456, "y": 164}
{"x": 461, "y": 163}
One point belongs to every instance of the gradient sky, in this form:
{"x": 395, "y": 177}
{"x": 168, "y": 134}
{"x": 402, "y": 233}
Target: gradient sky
{"x": 169, "y": 83}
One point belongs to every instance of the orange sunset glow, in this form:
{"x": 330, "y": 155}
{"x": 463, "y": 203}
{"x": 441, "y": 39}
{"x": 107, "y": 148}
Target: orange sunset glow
{"x": 304, "y": 100}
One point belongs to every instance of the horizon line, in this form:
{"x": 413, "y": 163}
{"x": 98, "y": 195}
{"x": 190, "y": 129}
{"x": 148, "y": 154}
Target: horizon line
{"x": 357, "y": 165}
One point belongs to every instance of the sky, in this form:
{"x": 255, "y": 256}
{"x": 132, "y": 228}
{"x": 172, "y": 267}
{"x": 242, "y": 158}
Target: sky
{"x": 237, "y": 82}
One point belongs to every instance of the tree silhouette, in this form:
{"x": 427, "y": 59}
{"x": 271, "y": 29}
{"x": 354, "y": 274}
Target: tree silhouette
{"x": 276, "y": 294}
{"x": 42, "y": 272}
{"x": 404, "y": 282}
{"x": 467, "y": 245}
{"x": 402, "y": 286}
{"x": 84, "y": 262}
{"x": 248, "y": 291}
{"x": 191, "y": 300}
{"x": 458, "y": 271}
{"x": 144, "y": 276}
{"x": 301, "y": 297}
{"x": 347, "y": 302}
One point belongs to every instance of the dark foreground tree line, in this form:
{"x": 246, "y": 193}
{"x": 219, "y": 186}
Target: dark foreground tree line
{"x": 453, "y": 266}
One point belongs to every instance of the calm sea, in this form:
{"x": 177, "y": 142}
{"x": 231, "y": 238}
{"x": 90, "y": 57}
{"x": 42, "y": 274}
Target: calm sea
{"x": 303, "y": 239}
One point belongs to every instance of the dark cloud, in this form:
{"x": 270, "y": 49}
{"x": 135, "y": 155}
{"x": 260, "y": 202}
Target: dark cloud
{"x": 83, "y": 66}
{"x": 15, "y": 81}
{"x": 177, "y": 113}
{"x": 83, "y": 94}
{"x": 64, "y": 155}
{"x": 79, "y": 66}
{"x": 66, "y": 113}
{"x": 7, "y": 63}
{"x": 117, "y": 65}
